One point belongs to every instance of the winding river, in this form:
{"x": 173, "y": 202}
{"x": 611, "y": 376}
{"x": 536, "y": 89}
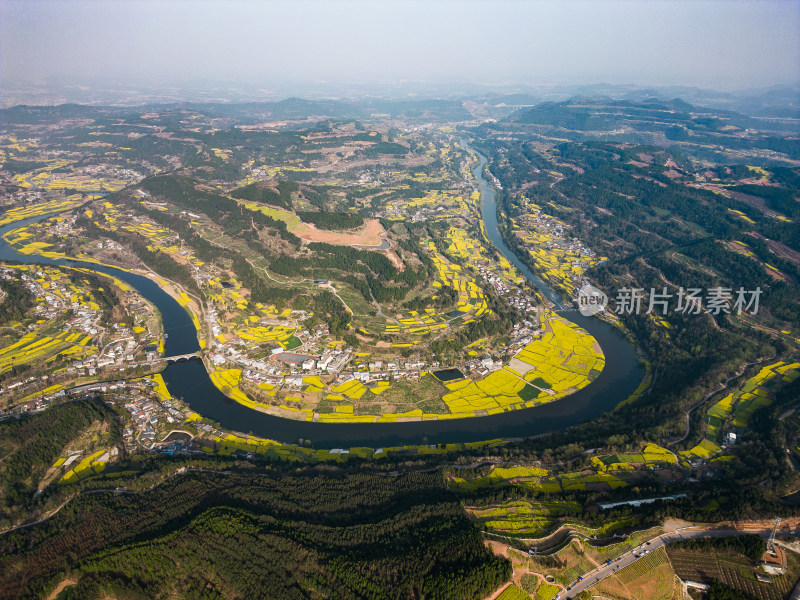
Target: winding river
{"x": 190, "y": 381}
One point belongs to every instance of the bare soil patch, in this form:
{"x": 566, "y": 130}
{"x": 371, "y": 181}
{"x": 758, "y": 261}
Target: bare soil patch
{"x": 370, "y": 234}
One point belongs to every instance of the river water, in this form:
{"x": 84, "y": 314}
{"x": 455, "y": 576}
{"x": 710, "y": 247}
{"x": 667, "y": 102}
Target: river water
{"x": 190, "y": 380}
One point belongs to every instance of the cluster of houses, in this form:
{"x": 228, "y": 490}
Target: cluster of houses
{"x": 146, "y": 413}
{"x": 380, "y": 371}
{"x": 542, "y": 221}
{"x": 520, "y": 300}
{"x": 120, "y": 349}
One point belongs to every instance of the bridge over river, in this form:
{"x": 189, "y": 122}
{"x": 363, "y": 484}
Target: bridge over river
{"x": 188, "y": 379}
{"x": 182, "y": 357}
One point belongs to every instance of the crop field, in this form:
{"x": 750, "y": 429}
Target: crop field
{"x": 531, "y": 518}
{"x": 91, "y": 465}
{"x": 463, "y": 247}
{"x": 269, "y": 333}
{"x": 108, "y": 216}
{"x": 418, "y": 323}
{"x": 291, "y": 219}
{"x": 37, "y": 238}
{"x": 651, "y": 455}
{"x": 512, "y": 592}
{"x": 56, "y": 175}
{"x": 734, "y": 570}
{"x": 541, "y": 480}
{"x": 551, "y": 252}
{"x": 471, "y": 302}
{"x": 241, "y": 320}
{"x": 34, "y": 349}
{"x": 35, "y": 210}
{"x": 546, "y": 591}
{"x": 756, "y": 390}
{"x": 562, "y": 361}
{"x": 452, "y": 205}
{"x": 231, "y": 443}
{"x": 649, "y": 577}
{"x": 737, "y": 407}
{"x": 160, "y": 387}
{"x": 565, "y": 355}
{"x": 705, "y": 450}
{"x": 46, "y": 337}
{"x": 81, "y": 183}
{"x": 352, "y": 389}
{"x": 334, "y": 407}
{"x": 227, "y": 380}
{"x": 371, "y": 234}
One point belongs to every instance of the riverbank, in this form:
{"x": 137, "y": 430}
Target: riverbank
{"x": 190, "y": 381}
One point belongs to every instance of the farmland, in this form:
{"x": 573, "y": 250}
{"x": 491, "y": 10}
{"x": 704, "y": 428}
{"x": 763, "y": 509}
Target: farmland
{"x": 42, "y": 208}
{"x": 558, "y": 257}
{"x": 565, "y": 356}
{"x": 735, "y": 409}
{"x": 371, "y": 234}
{"x": 649, "y": 577}
{"x": 238, "y": 445}
{"x": 734, "y": 570}
{"x": 265, "y": 230}
{"x": 523, "y": 518}
{"x": 454, "y": 295}
{"x": 512, "y": 592}
{"x": 58, "y": 337}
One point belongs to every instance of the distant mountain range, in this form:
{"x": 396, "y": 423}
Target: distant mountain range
{"x": 349, "y": 100}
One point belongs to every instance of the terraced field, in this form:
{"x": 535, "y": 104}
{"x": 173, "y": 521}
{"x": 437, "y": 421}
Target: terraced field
{"x": 47, "y": 337}
{"x": 734, "y": 570}
{"x": 737, "y": 407}
{"x": 371, "y": 234}
{"x": 649, "y": 577}
{"x": 35, "y": 210}
{"x": 524, "y": 518}
{"x": 557, "y": 259}
{"x": 544, "y": 481}
{"x": 90, "y": 465}
{"x": 230, "y": 443}
{"x": 32, "y": 348}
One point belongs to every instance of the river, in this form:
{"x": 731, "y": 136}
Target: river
{"x": 190, "y": 380}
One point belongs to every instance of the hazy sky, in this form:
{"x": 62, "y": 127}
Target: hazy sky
{"x": 722, "y": 44}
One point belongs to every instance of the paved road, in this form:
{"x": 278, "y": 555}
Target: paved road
{"x": 683, "y": 533}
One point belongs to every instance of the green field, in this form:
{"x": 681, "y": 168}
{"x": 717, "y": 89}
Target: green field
{"x": 512, "y": 592}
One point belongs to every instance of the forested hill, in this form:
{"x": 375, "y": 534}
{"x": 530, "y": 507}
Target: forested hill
{"x": 210, "y": 535}
{"x": 593, "y": 113}
{"x": 667, "y": 218}
{"x": 659, "y": 121}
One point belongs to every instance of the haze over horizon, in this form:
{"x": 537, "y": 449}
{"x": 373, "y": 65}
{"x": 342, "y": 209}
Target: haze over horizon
{"x": 714, "y": 45}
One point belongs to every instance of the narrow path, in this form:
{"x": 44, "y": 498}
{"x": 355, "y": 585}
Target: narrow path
{"x": 380, "y": 310}
{"x": 329, "y": 286}
{"x": 60, "y": 587}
